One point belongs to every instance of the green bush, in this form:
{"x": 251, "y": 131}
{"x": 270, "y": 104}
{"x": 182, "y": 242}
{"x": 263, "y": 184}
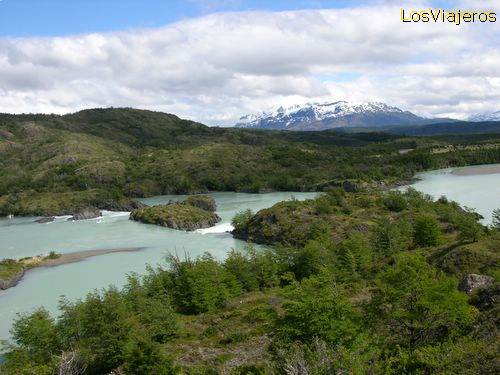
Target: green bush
{"x": 395, "y": 201}
{"x": 201, "y": 285}
{"x": 315, "y": 308}
{"x": 144, "y": 357}
{"x": 241, "y": 220}
{"x": 389, "y": 237}
{"x": 418, "y": 304}
{"x": 426, "y": 232}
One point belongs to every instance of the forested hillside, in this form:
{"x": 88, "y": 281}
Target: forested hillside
{"x": 103, "y": 157}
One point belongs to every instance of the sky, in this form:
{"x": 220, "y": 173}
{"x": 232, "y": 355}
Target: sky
{"x": 214, "y": 61}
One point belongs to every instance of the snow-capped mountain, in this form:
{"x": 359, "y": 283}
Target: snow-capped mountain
{"x": 320, "y": 116}
{"x": 491, "y": 116}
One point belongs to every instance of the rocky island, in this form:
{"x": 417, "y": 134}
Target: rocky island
{"x": 195, "y": 212}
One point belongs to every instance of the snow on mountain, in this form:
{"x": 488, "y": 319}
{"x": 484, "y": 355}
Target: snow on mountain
{"x": 491, "y": 116}
{"x": 320, "y": 116}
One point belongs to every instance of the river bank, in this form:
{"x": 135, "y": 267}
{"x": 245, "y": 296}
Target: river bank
{"x": 477, "y": 170}
{"x": 14, "y": 270}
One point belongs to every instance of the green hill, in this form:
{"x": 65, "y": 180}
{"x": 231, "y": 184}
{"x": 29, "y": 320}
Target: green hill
{"x": 134, "y": 153}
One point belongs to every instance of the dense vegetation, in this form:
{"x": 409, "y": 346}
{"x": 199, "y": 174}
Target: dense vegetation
{"x": 96, "y": 158}
{"x": 362, "y": 282}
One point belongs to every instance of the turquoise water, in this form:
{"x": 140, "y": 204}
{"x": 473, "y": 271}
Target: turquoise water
{"x": 20, "y": 237}
{"x": 478, "y": 191}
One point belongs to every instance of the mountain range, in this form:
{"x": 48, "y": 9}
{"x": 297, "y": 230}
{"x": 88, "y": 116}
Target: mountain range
{"x": 489, "y": 116}
{"x": 342, "y": 114}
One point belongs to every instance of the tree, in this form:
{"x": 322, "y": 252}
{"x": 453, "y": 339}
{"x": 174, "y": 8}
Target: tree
{"x": 37, "y": 334}
{"x": 100, "y": 325}
{"x": 201, "y": 285}
{"x": 315, "y": 308}
{"x": 391, "y": 237}
{"x": 143, "y": 357}
{"x": 354, "y": 256}
{"x": 426, "y": 232}
{"x": 241, "y": 220}
{"x": 496, "y": 218}
{"x": 418, "y": 304}
{"x": 239, "y": 265}
{"x": 395, "y": 201}
{"x": 469, "y": 229}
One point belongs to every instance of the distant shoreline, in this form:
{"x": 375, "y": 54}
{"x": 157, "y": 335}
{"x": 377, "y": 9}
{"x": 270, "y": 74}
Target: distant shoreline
{"x": 474, "y": 171}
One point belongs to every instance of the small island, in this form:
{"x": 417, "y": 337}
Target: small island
{"x": 195, "y": 212}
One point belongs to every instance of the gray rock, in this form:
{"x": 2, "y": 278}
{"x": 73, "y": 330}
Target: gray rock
{"x": 44, "y": 220}
{"x": 87, "y": 213}
{"x": 473, "y": 281}
{"x": 350, "y": 186}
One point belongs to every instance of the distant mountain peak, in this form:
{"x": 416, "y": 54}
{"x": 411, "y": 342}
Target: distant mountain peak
{"x": 320, "y": 116}
{"x": 487, "y": 116}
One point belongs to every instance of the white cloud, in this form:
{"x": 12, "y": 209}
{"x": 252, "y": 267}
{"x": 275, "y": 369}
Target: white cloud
{"x": 216, "y": 68}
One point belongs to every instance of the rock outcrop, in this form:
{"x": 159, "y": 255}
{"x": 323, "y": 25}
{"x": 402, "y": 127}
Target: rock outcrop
{"x": 87, "y": 213}
{"x": 474, "y": 281}
{"x": 12, "y": 280}
{"x": 44, "y": 220}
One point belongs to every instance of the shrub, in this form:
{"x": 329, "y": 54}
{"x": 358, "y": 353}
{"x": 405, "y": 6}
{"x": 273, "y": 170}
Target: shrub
{"x": 495, "y": 218}
{"x": 241, "y": 267}
{"x": 395, "y": 201}
{"x": 314, "y": 308}
{"x": 426, "y": 232}
{"x": 391, "y": 237}
{"x": 469, "y": 229}
{"x": 241, "y": 220}
{"x": 143, "y": 357}
{"x": 201, "y": 285}
{"x": 38, "y": 335}
{"x": 418, "y": 304}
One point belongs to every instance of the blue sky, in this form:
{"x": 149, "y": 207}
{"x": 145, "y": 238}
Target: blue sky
{"x": 65, "y": 17}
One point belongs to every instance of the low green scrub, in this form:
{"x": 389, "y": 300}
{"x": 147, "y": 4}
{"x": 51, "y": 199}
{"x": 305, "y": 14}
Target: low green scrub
{"x": 9, "y": 268}
{"x": 176, "y": 216}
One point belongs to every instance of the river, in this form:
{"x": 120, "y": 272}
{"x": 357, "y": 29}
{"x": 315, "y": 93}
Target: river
{"x": 21, "y": 237}
{"x": 476, "y": 187}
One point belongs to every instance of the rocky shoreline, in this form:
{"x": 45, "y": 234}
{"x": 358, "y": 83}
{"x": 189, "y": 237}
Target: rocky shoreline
{"x": 12, "y": 281}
